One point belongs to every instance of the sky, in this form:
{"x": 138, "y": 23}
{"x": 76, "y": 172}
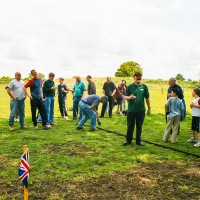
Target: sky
{"x": 81, "y": 37}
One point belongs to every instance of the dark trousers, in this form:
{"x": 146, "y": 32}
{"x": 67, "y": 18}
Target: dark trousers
{"x": 110, "y": 100}
{"x": 132, "y": 119}
{"x": 62, "y": 107}
{"x": 38, "y": 104}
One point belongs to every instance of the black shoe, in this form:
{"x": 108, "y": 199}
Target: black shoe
{"x": 126, "y": 143}
{"x": 79, "y": 127}
{"x": 110, "y": 116}
{"x": 141, "y": 144}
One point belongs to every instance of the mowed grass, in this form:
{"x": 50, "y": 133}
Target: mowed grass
{"x": 63, "y": 153}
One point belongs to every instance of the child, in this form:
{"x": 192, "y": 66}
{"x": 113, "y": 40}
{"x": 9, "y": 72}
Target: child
{"x": 174, "y": 107}
{"x": 195, "y": 105}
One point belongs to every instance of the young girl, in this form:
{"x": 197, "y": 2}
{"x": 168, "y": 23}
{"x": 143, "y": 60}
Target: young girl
{"x": 174, "y": 107}
{"x": 195, "y": 105}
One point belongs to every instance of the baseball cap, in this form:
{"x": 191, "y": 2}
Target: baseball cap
{"x": 105, "y": 97}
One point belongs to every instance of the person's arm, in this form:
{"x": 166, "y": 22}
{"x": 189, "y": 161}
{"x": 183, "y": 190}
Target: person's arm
{"x": 27, "y": 94}
{"x": 148, "y": 105}
{"x": 84, "y": 92}
{"x": 166, "y": 108}
{"x": 114, "y": 91}
{"x": 10, "y": 93}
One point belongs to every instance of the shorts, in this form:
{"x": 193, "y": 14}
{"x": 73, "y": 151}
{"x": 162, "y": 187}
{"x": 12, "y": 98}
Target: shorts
{"x": 119, "y": 101}
{"x": 196, "y": 124}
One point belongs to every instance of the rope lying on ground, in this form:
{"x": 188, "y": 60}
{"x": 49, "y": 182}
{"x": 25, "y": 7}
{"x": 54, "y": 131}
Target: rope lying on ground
{"x": 159, "y": 145}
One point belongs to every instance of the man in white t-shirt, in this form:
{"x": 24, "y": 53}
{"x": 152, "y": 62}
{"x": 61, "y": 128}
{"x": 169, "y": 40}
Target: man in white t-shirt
{"x": 15, "y": 90}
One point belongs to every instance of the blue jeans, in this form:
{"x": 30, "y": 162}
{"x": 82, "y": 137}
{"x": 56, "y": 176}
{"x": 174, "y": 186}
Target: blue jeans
{"x": 49, "y": 102}
{"x": 15, "y": 106}
{"x": 88, "y": 112}
{"x": 75, "y": 107}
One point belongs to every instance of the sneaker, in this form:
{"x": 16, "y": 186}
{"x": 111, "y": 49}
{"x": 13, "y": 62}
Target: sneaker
{"x": 53, "y": 124}
{"x": 197, "y": 144}
{"x": 23, "y": 127}
{"x": 66, "y": 117}
{"x": 126, "y": 143}
{"x": 94, "y": 129}
{"x": 35, "y": 128}
{"x": 46, "y": 127}
{"x": 79, "y": 127}
{"x": 192, "y": 139}
{"x": 120, "y": 114}
{"x": 11, "y": 128}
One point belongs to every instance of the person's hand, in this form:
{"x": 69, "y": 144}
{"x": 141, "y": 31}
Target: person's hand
{"x": 191, "y": 105}
{"x": 43, "y": 99}
{"x": 149, "y": 111}
{"x": 14, "y": 99}
{"x": 53, "y": 88}
{"x": 30, "y": 97}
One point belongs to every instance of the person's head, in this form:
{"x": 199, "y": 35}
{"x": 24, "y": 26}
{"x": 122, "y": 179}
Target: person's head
{"x": 138, "y": 78}
{"x": 108, "y": 79}
{"x": 104, "y": 99}
{"x": 172, "y": 82}
{"x": 122, "y": 84}
{"x": 61, "y": 79}
{"x": 34, "y": 73}
{"x": 124, "y": 81}
{"x": 196, "y": 92}
{"x": 18, "y": 76}
{"x": 78, "y": 78}
{"x": 51, "y": 76}
{"x": 175, "y": 92}
{"x": 88, "y": 78}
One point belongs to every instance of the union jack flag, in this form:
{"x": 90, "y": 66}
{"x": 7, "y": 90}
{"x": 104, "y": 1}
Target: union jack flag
{"x": 24, "y": 168}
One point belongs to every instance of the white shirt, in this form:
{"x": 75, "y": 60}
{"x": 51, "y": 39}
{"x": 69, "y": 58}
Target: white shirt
{"x": 196, "y": 111}
{"x": 17, "y": 88}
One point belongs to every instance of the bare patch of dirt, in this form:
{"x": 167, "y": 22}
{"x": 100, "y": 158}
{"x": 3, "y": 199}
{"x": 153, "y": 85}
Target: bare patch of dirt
{"x": 166, "y": 180}
{"x": 72, "y": 149}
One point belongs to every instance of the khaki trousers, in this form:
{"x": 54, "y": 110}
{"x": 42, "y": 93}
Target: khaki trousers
{"x": 175, "y": 122}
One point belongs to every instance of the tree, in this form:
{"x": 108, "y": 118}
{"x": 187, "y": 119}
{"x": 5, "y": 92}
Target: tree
{"x": 127, "y": 69}
{"x": 180, "y": 77}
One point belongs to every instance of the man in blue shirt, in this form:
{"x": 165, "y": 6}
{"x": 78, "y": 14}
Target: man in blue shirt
{"x": 79, "y": 92}
{"x": 88, "y": 107}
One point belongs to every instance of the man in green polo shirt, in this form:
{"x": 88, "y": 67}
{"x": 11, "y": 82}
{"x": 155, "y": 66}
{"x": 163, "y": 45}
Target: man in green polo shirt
{"x": 136, "y": 93}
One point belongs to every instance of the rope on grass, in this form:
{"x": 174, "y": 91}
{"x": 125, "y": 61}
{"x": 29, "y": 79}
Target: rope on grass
{"x": 159, "y": 145}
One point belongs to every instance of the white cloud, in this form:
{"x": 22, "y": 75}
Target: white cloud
{"x": 95, "y": 37}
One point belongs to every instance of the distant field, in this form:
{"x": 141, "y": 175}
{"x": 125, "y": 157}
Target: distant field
{"x": 158, "y": 95}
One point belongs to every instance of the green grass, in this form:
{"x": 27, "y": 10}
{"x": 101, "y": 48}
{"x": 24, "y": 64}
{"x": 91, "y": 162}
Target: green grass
{"x": 63, "y": 153}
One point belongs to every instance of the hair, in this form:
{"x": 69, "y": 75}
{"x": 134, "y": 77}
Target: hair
{"x": 89, "y": 76}
{"x": 176, "y": 91}
{"x": 32, "y": 71}
{"x": 51, "y": 74}
{"x": 197, "y": 91}
{"x": 172, "y": 79}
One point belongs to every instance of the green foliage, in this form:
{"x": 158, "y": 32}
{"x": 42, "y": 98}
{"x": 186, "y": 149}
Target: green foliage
{"x": 127, "y": 69}
{"x": 180, "y": 77}
{"x": 5, "y": 79}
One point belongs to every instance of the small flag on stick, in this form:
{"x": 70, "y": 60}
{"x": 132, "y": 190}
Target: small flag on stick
{"x": 24, "y": 171}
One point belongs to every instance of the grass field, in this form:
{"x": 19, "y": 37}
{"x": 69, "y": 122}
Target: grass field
{"x": 70, "y": 164}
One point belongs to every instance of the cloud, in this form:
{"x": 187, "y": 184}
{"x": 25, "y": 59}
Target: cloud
{"x": 95, "y": 37}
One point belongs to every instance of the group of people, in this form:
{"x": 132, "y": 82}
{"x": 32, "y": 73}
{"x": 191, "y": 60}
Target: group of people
{"x": 85, "y": 106}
